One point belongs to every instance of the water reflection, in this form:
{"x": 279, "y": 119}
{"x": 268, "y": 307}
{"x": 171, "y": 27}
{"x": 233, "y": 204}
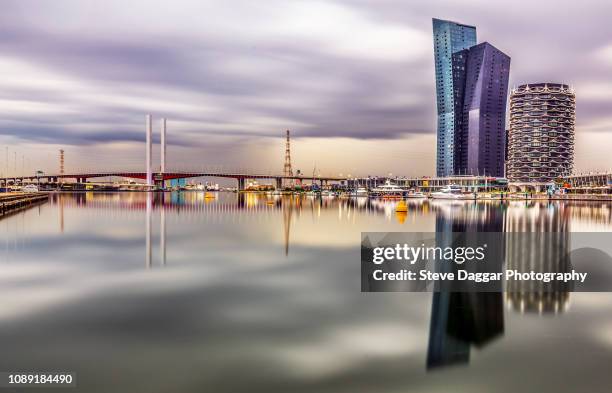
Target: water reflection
{"x": 460, "y": 320}
{"x": 148, "y": 252}
{"x": 162, "y": 235}
{"x": 287, "y": 214}
{"x": 422, "y": 215}
{"x": 276, "y": 274}
{"x": 547, "y": 251}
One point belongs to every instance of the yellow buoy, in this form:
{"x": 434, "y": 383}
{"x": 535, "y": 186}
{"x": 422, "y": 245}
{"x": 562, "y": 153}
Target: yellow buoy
{"x": 401, "y": 207}
{"x": 209, "y": 195}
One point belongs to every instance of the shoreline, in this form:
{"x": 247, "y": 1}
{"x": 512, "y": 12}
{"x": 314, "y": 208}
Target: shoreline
{"x": 13, "y": 202}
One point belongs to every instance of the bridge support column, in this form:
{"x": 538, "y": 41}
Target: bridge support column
{"x": 158, "y": 178}
{"x": 279, "y": 183}
{"x": 160, "y": 184}
{"x": 241, "y": 184}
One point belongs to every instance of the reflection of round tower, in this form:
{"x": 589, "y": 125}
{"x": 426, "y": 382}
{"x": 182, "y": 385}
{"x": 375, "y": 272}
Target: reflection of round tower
{"x": 538, "y": 240}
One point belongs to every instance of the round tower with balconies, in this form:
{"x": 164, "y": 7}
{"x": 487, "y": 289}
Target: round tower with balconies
{"x": 541, "y": 134}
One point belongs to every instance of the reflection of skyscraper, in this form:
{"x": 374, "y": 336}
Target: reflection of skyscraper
{"x": 445, "y": 349}
{"x": 539, "y": 241}
{"x": 449, "y": 38}
{"x": 459, "y": 320}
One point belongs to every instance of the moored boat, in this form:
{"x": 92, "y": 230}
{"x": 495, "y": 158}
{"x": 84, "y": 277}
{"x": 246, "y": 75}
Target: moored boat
{"x": 416, "y": 194}
{"x": 388, "y": 190}
{"x": 451, "y": 192}
{"x": 360, "y": 192}
{"x": 29, "y": 188}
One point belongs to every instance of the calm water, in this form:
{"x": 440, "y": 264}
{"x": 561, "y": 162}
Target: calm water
{"x": 178, "y": 293}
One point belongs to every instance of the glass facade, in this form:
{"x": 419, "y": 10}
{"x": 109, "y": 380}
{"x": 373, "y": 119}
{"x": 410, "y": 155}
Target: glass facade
{"x": 449, "y": 38}
{"x": 482, "y": 73}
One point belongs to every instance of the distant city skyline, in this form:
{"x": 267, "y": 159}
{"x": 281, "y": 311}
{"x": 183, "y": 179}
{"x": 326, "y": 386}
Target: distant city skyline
{"x": 348, "y": 78}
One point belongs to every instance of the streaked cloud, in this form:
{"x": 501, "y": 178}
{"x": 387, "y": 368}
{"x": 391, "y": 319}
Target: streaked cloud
{"x": 85, "y": 72}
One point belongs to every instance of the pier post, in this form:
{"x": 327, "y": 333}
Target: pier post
{"x": 160, "y": 184}
{"x": 279, "y": 183}
{"x": 241, "y": 184}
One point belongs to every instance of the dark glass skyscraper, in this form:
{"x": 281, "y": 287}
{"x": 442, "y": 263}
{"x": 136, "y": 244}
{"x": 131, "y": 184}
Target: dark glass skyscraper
{"x": 449, "y": 38}
{"x": 481, "y": 80}
{"x": 471, "y": 89}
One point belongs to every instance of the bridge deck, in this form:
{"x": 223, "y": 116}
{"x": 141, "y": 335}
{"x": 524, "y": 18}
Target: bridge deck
{"x": 173, "y": 175}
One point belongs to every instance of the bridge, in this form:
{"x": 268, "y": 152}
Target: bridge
{"x": 160, "y": 177}
{"x": 156, "y": 180}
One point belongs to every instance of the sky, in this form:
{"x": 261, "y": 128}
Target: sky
{"x": 352, "y": 80}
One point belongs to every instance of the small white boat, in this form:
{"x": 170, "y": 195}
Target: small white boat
{"x": 327, "y": 193}
{"x": 360, "y": 192}
{"x": 416, "y": 194}
{"x": 29, "y": 188}
{"x": 195, "y": 187}
{"x": 451, "y": 192}
{"x": 388, "y": 190}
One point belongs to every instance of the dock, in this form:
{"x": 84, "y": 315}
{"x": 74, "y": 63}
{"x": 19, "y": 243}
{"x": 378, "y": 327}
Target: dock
{"x": 16, "y": 201}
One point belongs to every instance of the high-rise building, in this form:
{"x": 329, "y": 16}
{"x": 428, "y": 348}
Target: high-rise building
{"x": 481, "y": 82}
{"x": 449, "y": 37}
{"x": 541, "y": 135}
